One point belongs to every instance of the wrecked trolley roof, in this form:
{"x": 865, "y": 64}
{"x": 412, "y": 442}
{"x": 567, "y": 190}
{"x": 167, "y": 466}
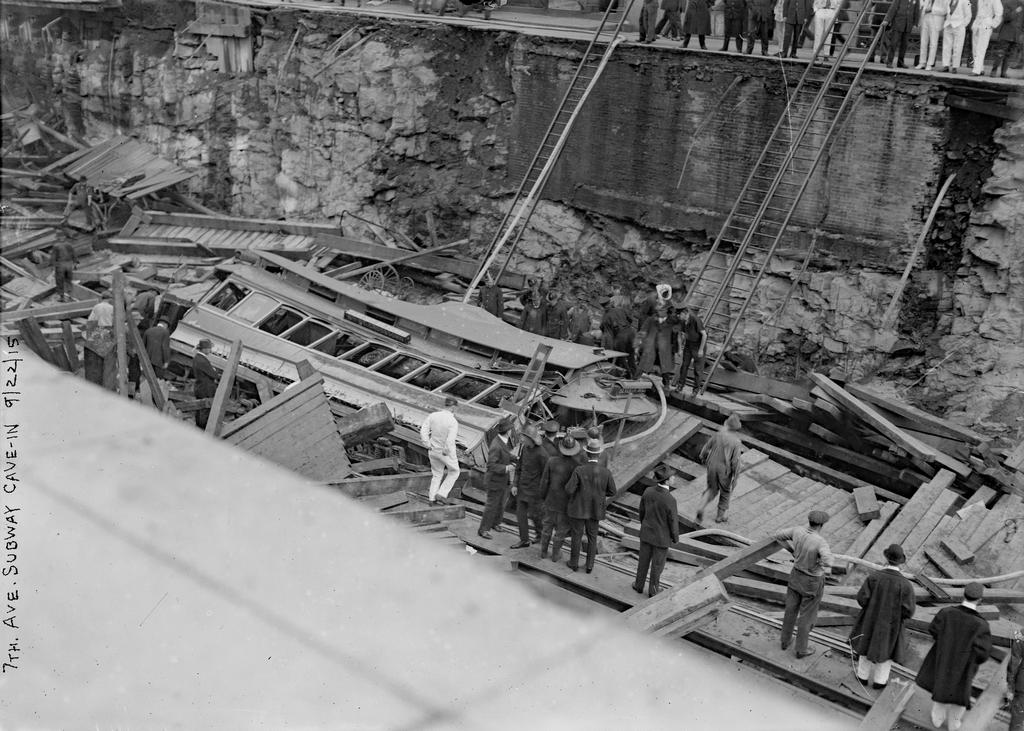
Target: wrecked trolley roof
{"x": 122, "y": 168}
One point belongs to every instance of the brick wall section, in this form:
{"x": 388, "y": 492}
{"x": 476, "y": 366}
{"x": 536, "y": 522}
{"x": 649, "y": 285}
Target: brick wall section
{"x": 630, "y": 142}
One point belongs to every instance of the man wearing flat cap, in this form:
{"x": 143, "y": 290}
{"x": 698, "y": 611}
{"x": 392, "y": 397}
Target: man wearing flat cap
{"x": 659, "y": 529}
{"x": 887, "y": 601}
{"x": 556, "y": 476}
{"x": 206, "y": 378}
{"x": 962, "y": 643}
{"x": 588, "y": 487}
{"x": 812, "y": 560}
{"x": 529, "y": 501}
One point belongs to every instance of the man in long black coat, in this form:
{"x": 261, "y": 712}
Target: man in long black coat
{"x": 556, "y": 476}
{"x": 899, "y": 22}
{"x": 157, "y": 340}
{"x": 527, "y": 488}
{"x": 588, "y": 487}
{"x": 659, "y": 529}
{"x": 496, "y": 480}
{"x": 962, "y": 643}
{"x": 887, "y": 601}
{"x": 760, "y": 16}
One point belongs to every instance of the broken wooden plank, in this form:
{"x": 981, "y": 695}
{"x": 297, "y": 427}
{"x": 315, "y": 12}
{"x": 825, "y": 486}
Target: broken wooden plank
{"x": 70, "y": 347}
{"x": 365, "y": 425}
{"x": 220, "y": 398}
{"x": 869, "y": 534}
{"x": 120, "y": 339}
{"x": 391, "y": 464}
{"x": 741, "y": 559}
{"x": 286, "y": 396}
{"x": 868, "y": 413}
{"x": 867, "y": 504}
{"x": 983, "y": 710}
{"x": 958, "y": 550}
{"x": 946, "y": 566}
{"x": 429, "y": 514}
{"x": 367, "y": 485}
{"x": 888, "y": 707}
{"x": 34, "y": 339}
{"x": 679, "y": 610}
{"x": 642, "y": 455}
{"x": 937, "y": 592}
{"x": 944, "y": 427}
{"x": 60, "y": 311}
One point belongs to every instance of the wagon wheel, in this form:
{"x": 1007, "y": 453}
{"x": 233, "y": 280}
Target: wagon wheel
{"x": 383, "y": 279}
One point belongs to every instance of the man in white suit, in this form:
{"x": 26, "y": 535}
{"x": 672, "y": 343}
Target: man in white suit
{"x": 953, "y": 31}
{"x": 990, "y": 15}
{"x": 933, "y": 16}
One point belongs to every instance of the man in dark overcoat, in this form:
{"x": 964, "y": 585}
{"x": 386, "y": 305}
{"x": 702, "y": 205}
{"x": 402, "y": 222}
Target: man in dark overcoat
{"x": 760, "y": 18}
{"x": 555, "y": 316}
{"x": 492, "y": 298}
{"x": 899, "y": 22}
{"x": 734, "y": 15}
{"x": 887, "y": 601}
{"x": 659, "y": 529}
{"x": 533, "y": 458}
{"x": 500, "y": 466}
{"x": 157, "y": 340}
{"x": 1015, "y": 681}
{"x": 588, "y": 487}
{"x": 796, "y": 13}
{"x": 550, "y": 442}
{"x": 556, "y": 476}
{"x": 206, "y": 379}
{"x": 658, "y": 340}
{"x": 962, "y": 642}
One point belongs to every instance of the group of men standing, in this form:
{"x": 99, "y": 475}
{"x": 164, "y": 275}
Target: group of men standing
{"x": 999, "y": 21}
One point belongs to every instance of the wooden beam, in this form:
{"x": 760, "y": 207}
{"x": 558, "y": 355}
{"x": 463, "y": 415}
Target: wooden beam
{"x": 915, "y": 447}
{"x": 70, "y": 347}
{"x": 403, "y": 259}
{"x": 220, "y": 398}
{"x": 867, "y": 504}
{"x": 314, "y": 381}
{"x": 742, "y": 559}
{"x": 934, "y": 424}
{"x": 385, "y": 463}
{"x": 888, "y": 707}
{"x": 960, "y": 552}
{"x": 365, "y": 425}
{"x": 120, "y": 342}
{"x": 679, "y": 610}
{"x": 140, "y": 351}
{"x": 418, "y": 482}
{"x": 33, "y": 337}
{"x": 429, "y": 514}
{"x": 982, "y": 713}
{"x": 61, "y": 311}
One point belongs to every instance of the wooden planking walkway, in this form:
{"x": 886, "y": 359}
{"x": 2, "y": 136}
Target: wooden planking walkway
{"x": 633, "y": 459}
{"x": 911, "y": 515}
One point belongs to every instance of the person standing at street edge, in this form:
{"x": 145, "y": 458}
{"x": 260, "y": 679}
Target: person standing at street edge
{"x": 887, "y": 601}
{"x": 812, "y": 559}
{"x": 659, "y": 529}
{"x": 962, "y": 643}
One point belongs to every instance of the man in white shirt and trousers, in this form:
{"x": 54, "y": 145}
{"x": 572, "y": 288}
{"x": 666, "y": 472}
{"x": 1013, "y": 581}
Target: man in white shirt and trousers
{"x": 438, "y": 434}
{"x": 954, "y": 29}
{"x": 933, "y": 17}
{"x": 990, "y": 15}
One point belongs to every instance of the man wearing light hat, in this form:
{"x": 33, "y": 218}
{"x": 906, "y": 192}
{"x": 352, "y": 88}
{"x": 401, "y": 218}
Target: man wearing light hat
{"x": 659, "y": 529}
{"x": 556, "y": 476}
{"x": 529, "y": 501}
{"x": 588, "y": 487}
{"x": 887, "y": 601}
{"x": 812, "y": 559}
{"x": 962, "y": 643}
{"x": 206, "y": 378}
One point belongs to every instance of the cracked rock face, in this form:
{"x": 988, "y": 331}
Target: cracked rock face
{"x": 389, "y": 121}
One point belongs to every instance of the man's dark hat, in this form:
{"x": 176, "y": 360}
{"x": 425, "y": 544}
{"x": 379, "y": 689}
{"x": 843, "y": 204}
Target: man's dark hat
{"x": 894, "y": 554}
{"x": 817, "y": 517}
{"x": 568, "y": 446}
{"x": 974, "y": 591}
{"x": 662, "y": 474}
{"x": 504, "y": 426}
{"x": 551, "y": 427}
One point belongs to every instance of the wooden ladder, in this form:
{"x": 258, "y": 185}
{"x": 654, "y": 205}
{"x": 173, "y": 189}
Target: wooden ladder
{"x": 743, "y": 251}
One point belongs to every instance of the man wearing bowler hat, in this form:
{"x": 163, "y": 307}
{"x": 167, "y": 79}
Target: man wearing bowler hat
{"x": 556, "y": 476}
{"x": 659, "y": 529}
{"x": 962, "y": 643}
{"x": 812, "y": 560}
{"x": 887, "y": 601}
{"x": 588, "y": 487}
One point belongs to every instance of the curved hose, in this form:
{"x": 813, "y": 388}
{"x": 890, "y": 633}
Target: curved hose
{"x": 657, "y": 424}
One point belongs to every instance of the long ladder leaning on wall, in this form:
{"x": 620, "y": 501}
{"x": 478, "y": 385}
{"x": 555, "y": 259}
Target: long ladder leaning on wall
{"x": 592, "y": 63}
{"x": 743, "y": 250}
